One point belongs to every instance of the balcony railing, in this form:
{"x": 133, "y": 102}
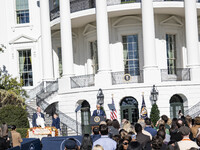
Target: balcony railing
{"x": 121, "y": 78}
{"x": 78, "y": 5}
{"x": 182, "y": 74}
{"x": 82, "y": 81}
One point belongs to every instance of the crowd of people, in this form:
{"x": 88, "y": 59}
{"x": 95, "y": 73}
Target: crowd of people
{"x": 176, "y": 134}
{"x": 8, "y": 138}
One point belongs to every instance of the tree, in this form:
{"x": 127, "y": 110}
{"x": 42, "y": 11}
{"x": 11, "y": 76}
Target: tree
{"x": 14, "y": 115}
{"x": 11, "y": 84}
{"x": 155, "y": 114}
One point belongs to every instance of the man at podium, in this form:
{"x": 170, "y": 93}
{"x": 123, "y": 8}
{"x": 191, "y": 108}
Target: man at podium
{"x": 98, "y": 111}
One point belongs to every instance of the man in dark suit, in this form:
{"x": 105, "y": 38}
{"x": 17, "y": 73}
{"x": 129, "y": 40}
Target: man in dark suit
{"x": 98, "y": 111}
{"x": 36, "y": 115}
{"x": 143, "y": 139}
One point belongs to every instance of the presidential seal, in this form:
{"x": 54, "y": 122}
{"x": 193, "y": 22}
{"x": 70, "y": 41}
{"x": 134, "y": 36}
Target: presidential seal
{"x": 97, "y": 119}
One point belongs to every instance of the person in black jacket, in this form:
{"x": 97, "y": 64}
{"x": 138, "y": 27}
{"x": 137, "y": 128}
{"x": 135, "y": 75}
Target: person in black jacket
{"x": 3, "y": 145}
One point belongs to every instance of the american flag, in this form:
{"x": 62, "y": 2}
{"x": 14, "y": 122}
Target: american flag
{"x": 113, "y": 113}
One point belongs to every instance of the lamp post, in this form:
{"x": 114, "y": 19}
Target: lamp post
{"x": 154, "y": 95}
{"x": 100, "y": 97}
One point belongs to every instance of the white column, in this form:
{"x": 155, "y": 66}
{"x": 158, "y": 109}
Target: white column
{"x": 66, "y": 38}
{"x": 47, "y": 59}
{"x": 192, "y": 39}
{"x": 102, "y": 35}
{"x": 66, "y": 46}
{"x": 151, "y": 72}
{"x": 103, "y": 45}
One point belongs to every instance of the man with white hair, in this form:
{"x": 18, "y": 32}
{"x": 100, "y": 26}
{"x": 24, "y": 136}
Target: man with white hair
{"x": 38, "y": 118}
{"x": 98, "y": 111}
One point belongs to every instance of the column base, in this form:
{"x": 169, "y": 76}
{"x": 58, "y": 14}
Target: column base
{"x": 152, "y": 75}
{"x": 194, "y": 73}
{"x": 103, "y": 79}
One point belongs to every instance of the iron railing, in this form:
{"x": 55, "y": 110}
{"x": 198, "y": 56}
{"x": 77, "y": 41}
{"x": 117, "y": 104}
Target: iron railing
{"x": 65, "y": 119}
{"x": 82, "y": 81}
{"x": 78, "y": 5}
{"x": 182, "y": 74}
{"x": 33, "y": 92}
{"x": 120, "y": 78}
{"x": 193, "y": 111}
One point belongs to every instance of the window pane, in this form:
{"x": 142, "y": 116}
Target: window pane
{"x": 171, "y": 53}
{"x": 22, "y": 11}
{"x": 25, "y": 67}
{"x": 131, "y": 54}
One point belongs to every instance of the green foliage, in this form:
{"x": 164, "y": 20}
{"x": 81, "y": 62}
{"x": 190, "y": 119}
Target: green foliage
{"x": 131, "y": 1}
{"x": 11, "y": 98}
{"x": 22, "y": 131}
{"x": 14, "y": 115}
{"x": 155, "y": 114}
{"x": 11, "y": 84}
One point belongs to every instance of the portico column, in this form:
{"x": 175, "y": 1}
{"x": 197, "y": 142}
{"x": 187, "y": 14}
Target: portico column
{"x": 151, "y": 72}
{"x": 66, "y": 46}
{"x": 192, "y": 39}
{"x": 66, "y": 38}
{"x": 103, "y": 43}
{"x": 47, "y": 59}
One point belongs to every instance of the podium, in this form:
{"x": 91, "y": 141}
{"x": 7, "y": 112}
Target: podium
{"x": 95, "y": 121}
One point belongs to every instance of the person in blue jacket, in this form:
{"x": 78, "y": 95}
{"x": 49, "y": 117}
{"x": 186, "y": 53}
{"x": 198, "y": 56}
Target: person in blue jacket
{"x": 56, "y": 121}
{"x": 98, "y": 111}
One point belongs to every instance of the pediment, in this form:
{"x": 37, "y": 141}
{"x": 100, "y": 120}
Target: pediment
{"x": 127, "y": 21}
{"x": 22, "y": 39}
{"x": 172, "y": 21}
{"x": 89, "y": 28}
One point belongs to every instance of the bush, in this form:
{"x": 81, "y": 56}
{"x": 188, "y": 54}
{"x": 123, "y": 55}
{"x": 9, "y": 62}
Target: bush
{"x": 22, "y": 131}
{"x": 155, "y": 114}
{"x": 14, "y": 115}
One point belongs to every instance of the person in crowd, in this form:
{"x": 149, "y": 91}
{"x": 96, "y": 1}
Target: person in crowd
{"x": 127, "y": 125}
{"x": 98, "y": 111}
{"x": 56, "y": 121}
{"x": 126, "y": 141}
{"x": 3, "y": 145}
{"x": 123, "y": 133}
{"x": 180, "y": 114}
{"x": 116, "y": 138}
{"x": 186, "y": 143}
{"x": 38, "y": 115}
{"x": 134, "y": 145}
{"x": 175, "y": 134}
{"x": 113, "y": 127}
{"x": 140, "y": 137}
{"x": 165, "y": 119}
{"x": 86, "y": 142}
{"x": 96, "y": 134}
{"x": 188, "y": 123}
{"x": 198, "y": 140}
{"x": 97, "y": 147}
{"x": 71, "y": 144}
{"x": 194, "y": 129}
{"x": 161, "y": 133}
{"x": 142, "y": 123}
{"x": 106, "y": 142}
{"x": 157, "y": 143}
{"x": 6, "y": 134}
{"x": 167, "y": 136}
{"x": 148, "y": 127}
{"x": 16, "y": 137}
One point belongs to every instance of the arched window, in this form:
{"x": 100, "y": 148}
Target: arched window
{"x": 176, "y": 104}
{"x": 85, "y": 117}
{"x": 129, "y": 109}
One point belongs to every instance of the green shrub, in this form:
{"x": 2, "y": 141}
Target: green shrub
{"x": 155, "y": 114}
{"x": 22, "y": 131}
{"x": 14, "y": 115}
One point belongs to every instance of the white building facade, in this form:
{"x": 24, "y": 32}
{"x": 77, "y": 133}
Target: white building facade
{"x": 65, "y": 51}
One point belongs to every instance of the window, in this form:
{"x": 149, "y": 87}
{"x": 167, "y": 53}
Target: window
{"x": 60, "y": 61}
{"x": 22, "y": 11}
{"x": 94, "y": 56}
{"x": 25, "y": 67}
{"x": 171, "y": 53}
{"x": 131, "y": 55}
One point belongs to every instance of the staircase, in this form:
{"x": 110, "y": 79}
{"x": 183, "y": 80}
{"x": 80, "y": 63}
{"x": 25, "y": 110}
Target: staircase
{"x": 193, "y": 111}
{"x": 39, "y": 95}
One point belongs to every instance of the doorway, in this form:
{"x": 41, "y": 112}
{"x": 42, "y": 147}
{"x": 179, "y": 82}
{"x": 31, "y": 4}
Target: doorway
{"x": 129, "y": 109}
{"x": 176, "y": 104}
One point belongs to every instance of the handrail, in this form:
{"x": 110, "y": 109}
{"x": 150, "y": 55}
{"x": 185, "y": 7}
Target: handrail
{"x": 193, "y": 111}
